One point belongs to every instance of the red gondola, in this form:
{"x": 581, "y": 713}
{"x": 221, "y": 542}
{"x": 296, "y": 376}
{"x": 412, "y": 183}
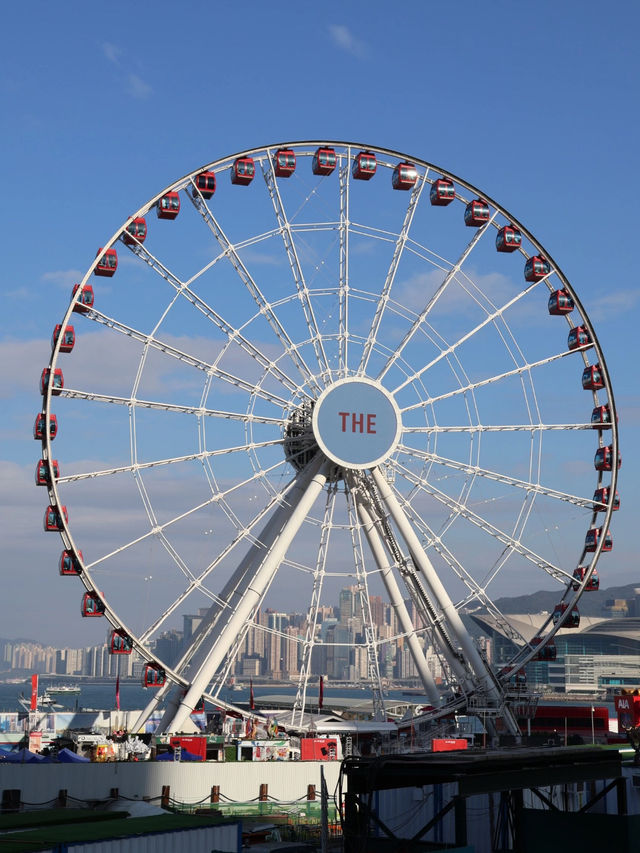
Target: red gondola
{"x": 153, "y": 676}
{"x": 136, "y": 230}
{"x": 68, "y": 338}
{"x": 69, "y": 563}
{"x": 324, "y": 161}
{"x": 572, "y": 620}
{"x": 592, "y": 379}
{"x": 364, "y": 166}
{"x": 601, "y": 417}
{"x": 39, "y": 427}
{"x": 205, "y": 182}
{"x": 476, "y": 213}
{"x": 536, "y": 268}
{"x": 519, "y": 677}
{"x": 442, "y": 192}
{"x": 594, "y": 535}
{"x": 601, "y": 500}
{"x": 168, "y": 207}
{"x": 43, "y": 471}
{"x": 92, "y": 605}
{"x": 603, "y": 460}
{"x": 578, "y": 337}
{"x": 120, "y": 643}
{"x": 404, "y": 176}
{"x": 57, "y": 384}
{"x": 548, "y": 652}
{"x": 108, "y": 263}
{"x": 285, "y": 163}
{"x": 53, "y": 519}
{"x": 508, "y": 239}
{"x": 560, "y": 302}
{"x": 591, "y": 585}
{"x": 85, "y": 300}
{"x": 243, "y": 171}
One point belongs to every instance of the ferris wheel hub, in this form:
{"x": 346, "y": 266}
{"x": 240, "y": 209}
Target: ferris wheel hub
{"x": 356, "y": 423}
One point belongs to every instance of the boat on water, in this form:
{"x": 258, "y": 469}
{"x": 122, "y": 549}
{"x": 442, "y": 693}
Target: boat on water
{"x": 63, "y": 690}
{"x": 44, "y": 701}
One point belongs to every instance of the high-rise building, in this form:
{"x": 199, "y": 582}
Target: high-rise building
{"x": 167, "y": 646}
{"x": 349, "y": 603}
{"x": 377, "y": 610}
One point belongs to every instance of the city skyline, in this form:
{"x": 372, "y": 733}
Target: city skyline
{"x": 603, "y": 654}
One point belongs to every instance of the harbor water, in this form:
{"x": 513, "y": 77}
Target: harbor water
{"x": 102, "y": 695}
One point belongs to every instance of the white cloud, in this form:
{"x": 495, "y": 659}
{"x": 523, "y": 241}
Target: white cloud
{"x": 63, "y": 278}
{"x": 613, "y": 304}
{"x": 112, "y": 52}
{"x": 342, "y": 37}
{"x": 32, "y": 356}
{"x": 415, "y": 291}
{"x": 137, "y": 87}
{"x": 133, "y": 84}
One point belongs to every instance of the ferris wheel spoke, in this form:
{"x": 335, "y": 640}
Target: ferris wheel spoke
{"x": 473, "y": 386}
{"x": 296, "y": 270}
{"x": 266, "y": 309}
{"x": 477, "y": 592}
{"x": 169, "y": 407}
{"x": 476, "y": 470}
{"x": 186, "y": 358}
{"x": 463, "y": 511}
{"x": 424, "y": 253}
{"x": 391, "y": 272}
{"x": 453, "y": 347}
{"x": 233, "y": 335}
{"x": 343, "y": 269}
{"x": 173, "y": 460}
{"x": 419, "y": 321}
{"x": 247, "y": 536}
{"x": 313, "y": 611}
{"x": 480, "y": 428}
{"x": 218, "y": 496}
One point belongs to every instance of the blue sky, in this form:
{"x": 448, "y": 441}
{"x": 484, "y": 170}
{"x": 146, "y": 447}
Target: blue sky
{"x": 106, "y": 104}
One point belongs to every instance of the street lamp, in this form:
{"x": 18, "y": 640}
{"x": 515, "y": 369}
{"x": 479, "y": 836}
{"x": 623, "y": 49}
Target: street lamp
{"x": 593, "y": 735}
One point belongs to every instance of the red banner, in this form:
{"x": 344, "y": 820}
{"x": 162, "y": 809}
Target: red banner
{"x": 34, "y": 692}
{"x": 252, "y": 704}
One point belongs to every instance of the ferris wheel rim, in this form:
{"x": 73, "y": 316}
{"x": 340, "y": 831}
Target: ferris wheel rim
{"x": 183, "y": 183}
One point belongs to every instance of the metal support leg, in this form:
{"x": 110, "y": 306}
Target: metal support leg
{"x": 312, "y": 482}
{"x": 397, "y": 602}
{"x": 445, "y": 603}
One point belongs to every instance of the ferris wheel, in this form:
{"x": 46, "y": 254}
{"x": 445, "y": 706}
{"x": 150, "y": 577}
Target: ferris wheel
{"x": 322, "y": 395}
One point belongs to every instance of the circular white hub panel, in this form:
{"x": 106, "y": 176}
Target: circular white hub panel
{"x": 356, "y": 423}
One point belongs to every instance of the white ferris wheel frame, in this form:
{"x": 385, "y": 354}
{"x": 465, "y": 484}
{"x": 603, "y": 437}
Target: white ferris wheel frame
{"x": 379, "y": 514}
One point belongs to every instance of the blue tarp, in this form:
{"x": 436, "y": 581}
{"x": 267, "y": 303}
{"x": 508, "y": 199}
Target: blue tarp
{"x": 67, "y": 756}
{"x": 24, "y": 756}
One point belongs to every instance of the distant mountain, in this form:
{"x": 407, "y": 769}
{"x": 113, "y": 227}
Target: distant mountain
{"x": 591, "y": 603}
